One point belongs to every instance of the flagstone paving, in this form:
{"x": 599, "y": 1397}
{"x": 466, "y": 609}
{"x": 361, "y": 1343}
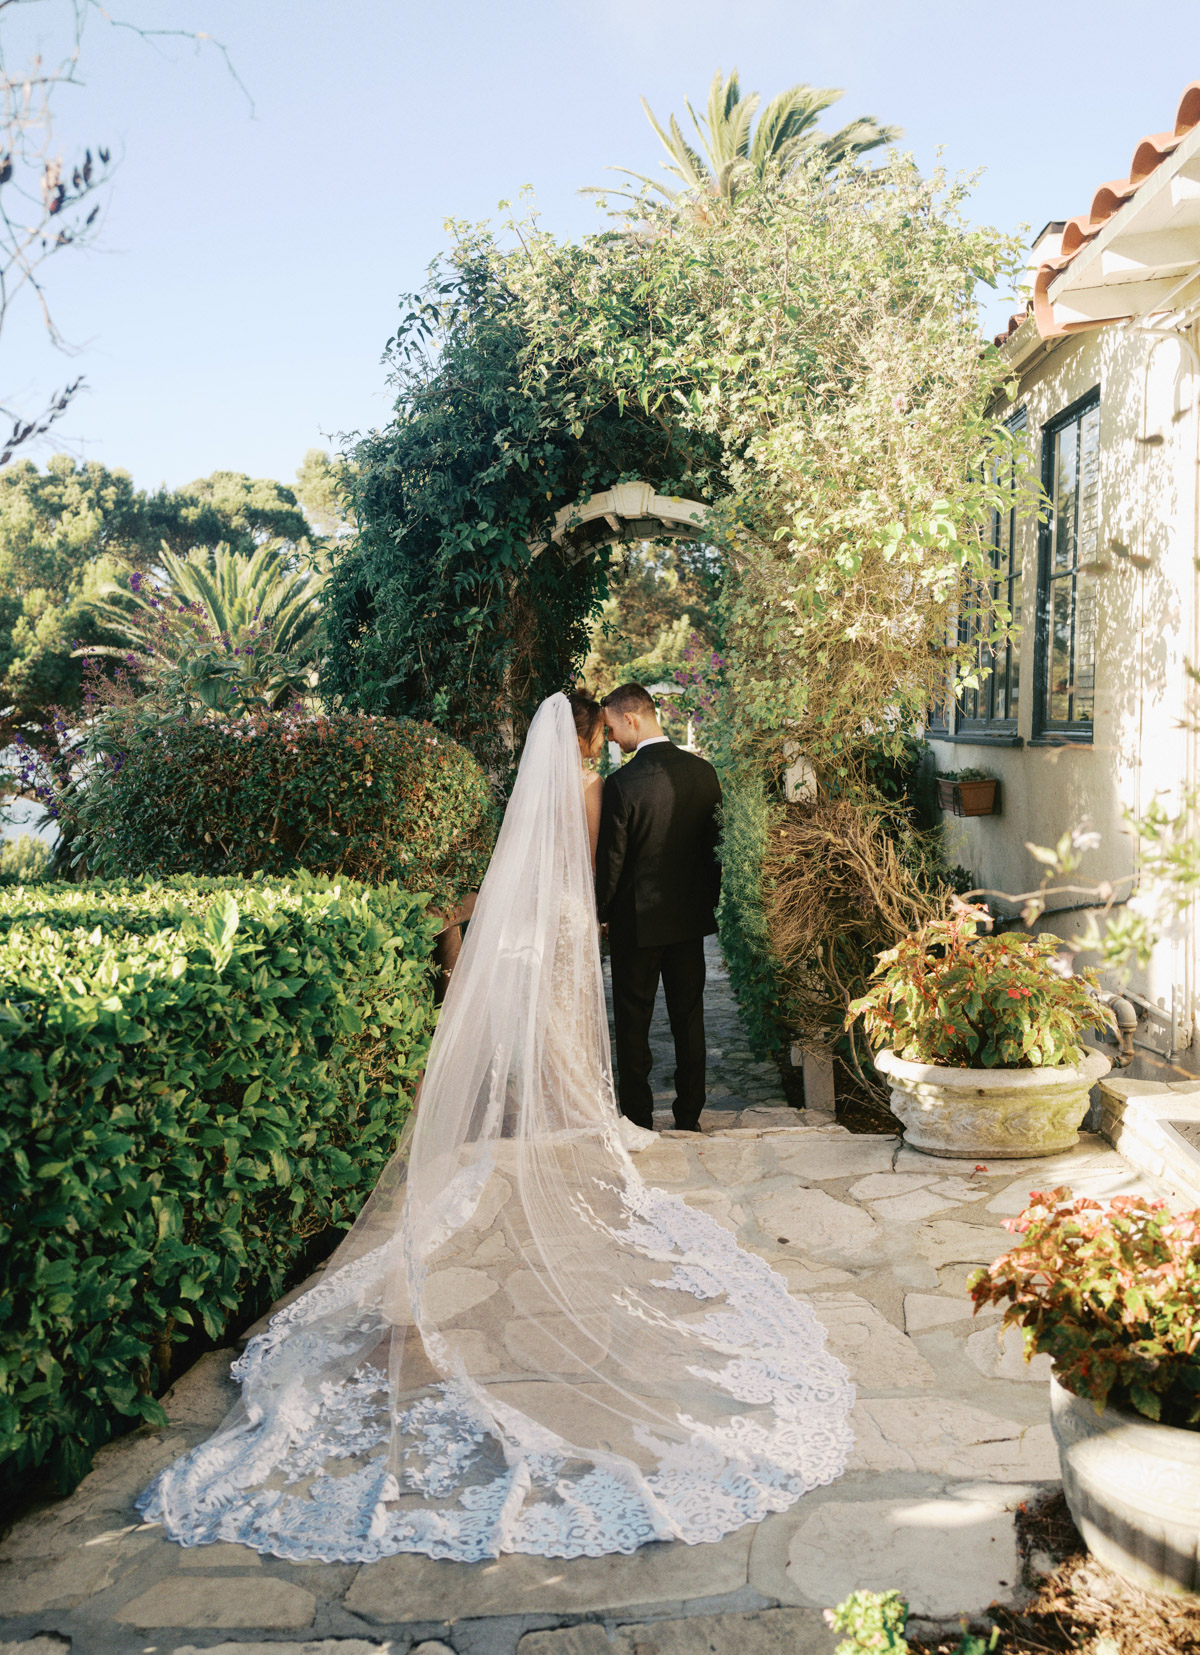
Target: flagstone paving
{"x": 952, "y": 1434}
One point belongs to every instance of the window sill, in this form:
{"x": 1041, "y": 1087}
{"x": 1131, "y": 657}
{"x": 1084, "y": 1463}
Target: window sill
{"x": 979, "y": 738}
{"x": 1062, "y": 738}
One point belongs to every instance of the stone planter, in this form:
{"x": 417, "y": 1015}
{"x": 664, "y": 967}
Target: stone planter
{"x": 1134, "y": 1491}
{"x": 990, "y": 1114}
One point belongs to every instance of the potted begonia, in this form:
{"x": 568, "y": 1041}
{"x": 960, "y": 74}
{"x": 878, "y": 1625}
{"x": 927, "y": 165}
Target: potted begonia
{"x": 980, "y": 1039}
{"x": 1111, "y": 1292}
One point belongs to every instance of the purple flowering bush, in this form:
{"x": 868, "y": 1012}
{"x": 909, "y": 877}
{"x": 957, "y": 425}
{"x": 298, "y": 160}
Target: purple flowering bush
{"x": 700, "y": 680}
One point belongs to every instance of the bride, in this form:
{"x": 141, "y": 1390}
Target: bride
{"x": 520, "y": 1346}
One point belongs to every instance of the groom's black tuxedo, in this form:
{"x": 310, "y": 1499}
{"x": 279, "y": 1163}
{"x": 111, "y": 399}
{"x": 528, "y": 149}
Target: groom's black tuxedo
{"x": 657, "y": 884}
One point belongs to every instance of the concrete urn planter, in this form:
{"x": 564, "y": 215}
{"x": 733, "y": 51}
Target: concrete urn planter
{"x": 990, "y": 1114}
{"x": 1133, "y": 1487}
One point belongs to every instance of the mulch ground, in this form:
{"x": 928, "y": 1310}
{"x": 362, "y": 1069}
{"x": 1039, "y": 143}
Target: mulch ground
{"x": 1080, "y": 1607}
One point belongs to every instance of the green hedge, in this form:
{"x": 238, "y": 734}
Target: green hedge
{"x": 372, "y": 799}
{"x": 196, "y": 1078}
{"x": 753, "y": 971}
{"x": 23, "y": 860}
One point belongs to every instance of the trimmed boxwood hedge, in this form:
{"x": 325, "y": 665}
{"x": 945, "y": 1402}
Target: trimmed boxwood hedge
{"x": 196, "y": 1078}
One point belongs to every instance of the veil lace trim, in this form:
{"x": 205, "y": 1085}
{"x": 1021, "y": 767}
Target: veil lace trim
{"x": 520, "y": 1346}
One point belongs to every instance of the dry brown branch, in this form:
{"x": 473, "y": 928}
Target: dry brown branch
{"x": 48, "y": 204}
{"x": 837, "y": 892}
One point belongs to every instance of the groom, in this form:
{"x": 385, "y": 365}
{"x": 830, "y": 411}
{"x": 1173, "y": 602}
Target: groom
{"x": 657, "y": 883}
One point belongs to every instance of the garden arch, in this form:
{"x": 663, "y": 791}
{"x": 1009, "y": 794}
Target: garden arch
{"x": 624, "y": 512}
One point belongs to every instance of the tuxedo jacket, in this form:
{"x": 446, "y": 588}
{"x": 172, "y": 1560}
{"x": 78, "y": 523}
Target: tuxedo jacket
{"x": 657, "y": 874}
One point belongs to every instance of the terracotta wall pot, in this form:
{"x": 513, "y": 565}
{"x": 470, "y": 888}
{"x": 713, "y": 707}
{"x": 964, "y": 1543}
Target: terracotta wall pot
{"x": 1134, "y": 1491}
{"x": 990, "y": 1114}
{"x": 978, "y": 798}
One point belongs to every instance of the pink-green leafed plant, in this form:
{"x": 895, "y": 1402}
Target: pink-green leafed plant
{"x": 1112, "y": 1293}
{"x": 948, "y": 995}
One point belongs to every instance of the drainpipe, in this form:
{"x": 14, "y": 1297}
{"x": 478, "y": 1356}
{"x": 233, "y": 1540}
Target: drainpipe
{"x": 1126, "y": 1015}
{"x": 1192, "y": 336}
{"x": 1186, "y": 335}
{"x": 1126, "y": 1018}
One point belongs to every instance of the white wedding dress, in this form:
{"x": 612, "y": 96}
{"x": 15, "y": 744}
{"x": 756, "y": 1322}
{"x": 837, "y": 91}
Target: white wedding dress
{"x": 520, "y": 1346}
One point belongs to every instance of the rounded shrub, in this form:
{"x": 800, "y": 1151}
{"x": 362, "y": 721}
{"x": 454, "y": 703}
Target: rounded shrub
{"x": 374, "y": 799}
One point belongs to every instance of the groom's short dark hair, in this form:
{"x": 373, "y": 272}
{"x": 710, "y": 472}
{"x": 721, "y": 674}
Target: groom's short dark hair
{"x": 630, "y": 698}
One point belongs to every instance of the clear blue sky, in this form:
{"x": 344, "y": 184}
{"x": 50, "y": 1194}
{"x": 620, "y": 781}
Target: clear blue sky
{"x": 249, "y": 267}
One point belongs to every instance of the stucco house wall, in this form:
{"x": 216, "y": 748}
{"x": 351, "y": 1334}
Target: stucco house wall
{"x": 1147, "y": 618}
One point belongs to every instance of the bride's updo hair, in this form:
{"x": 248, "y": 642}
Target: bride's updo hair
{"x": 588, "y": 714}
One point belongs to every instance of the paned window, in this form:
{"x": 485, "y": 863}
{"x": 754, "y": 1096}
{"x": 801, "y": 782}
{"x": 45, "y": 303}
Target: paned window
{"x": 994, "y": 703}
{"x": 1067, "y": 572}
{"x": 937, "y": 721}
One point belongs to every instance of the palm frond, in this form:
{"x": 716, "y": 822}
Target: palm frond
{"x": 690, "y": 165}
{"x": 686, "y": 163}
{"x": 629, "y": 195}
{"x": 235, "y": 596}
{"x": 725, "y": 130}
{"x": 786, "y": 118}
{"x": 733, "y": 175}
{"x": 724, "y": 95}
{"x": 737, "y": 130}
{"x": 857, "y": 138}
{"x": 734, "y": 150}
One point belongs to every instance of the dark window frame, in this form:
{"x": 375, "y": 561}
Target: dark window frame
{"x": 1046, "y": 730}
{"x": 974, "y": 723}
{"x": 937, "y": 719}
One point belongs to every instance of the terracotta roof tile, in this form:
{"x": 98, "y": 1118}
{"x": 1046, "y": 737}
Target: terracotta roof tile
{"x": 1076, "y": 231}
{"x": 1107, "y": 199}
{"x": 1188, "y": 114}
{"x": 1149, "y": 154}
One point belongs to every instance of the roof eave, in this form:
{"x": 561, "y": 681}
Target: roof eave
{"x": 1136, "y": 260}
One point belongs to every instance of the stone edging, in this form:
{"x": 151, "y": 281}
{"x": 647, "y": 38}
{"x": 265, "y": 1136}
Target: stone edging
{"x": 1136, "y": 1116}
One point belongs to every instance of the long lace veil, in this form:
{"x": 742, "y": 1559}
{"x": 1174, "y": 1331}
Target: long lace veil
{"x": 520, "y": 1346}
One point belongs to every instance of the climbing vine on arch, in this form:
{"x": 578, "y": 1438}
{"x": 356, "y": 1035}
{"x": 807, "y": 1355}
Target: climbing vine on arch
{"x": 453, "y": 602}
{"x": 822, "y": 334}
{"x": 806, "y": 360}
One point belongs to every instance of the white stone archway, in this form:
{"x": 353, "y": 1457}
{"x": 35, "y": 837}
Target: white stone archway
{"x": 625, "y": 512}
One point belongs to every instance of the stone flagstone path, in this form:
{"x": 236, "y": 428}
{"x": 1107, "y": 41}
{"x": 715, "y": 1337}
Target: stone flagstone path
{"x": 952, "y": 1434}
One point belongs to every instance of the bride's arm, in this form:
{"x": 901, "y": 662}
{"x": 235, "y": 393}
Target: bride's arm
{"x": 593, "y": 794}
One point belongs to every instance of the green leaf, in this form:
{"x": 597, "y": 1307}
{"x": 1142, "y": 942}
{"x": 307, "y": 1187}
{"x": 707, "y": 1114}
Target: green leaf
{"x": 221, "y": 921}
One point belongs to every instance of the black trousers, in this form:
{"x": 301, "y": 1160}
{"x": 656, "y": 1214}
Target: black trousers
{"x": 635, "y": 977}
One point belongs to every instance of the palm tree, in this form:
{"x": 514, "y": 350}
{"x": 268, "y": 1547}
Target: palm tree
{"x": 246, "y": 625}
{"x": 734, "y": 153}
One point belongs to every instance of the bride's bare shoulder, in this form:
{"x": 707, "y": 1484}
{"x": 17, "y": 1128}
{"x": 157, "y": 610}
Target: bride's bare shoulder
{"x": 591, "y": 780}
